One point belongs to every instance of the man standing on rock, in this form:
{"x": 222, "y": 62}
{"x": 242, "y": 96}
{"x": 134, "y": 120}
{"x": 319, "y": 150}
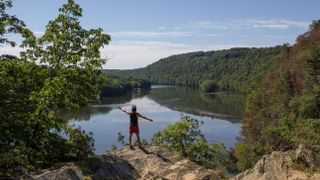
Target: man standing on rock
{"x": 134, "y": 128}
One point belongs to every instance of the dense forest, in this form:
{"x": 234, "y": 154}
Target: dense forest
{"x": 284, "y": 111}
{"x": 236, "y": 69}
{"x": 110, "y": 85}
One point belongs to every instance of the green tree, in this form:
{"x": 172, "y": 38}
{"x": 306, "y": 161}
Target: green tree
{"x": 284, "y": 111}
{"x": 73, "y": 56}
{"x": 179, "y": 136}
{"x": 313, "y": 64}
{"x": 31, "y": 133}
{"x": 66, "y": 44}
{"x": 186, "y": 138}
{"x": 11, "y": 24}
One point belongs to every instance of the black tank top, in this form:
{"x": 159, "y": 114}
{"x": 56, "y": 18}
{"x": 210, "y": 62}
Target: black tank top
{"x": 133, "y": 119}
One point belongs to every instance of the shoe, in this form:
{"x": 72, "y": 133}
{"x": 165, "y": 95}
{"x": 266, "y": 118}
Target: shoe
{"x": 131, "y": 147}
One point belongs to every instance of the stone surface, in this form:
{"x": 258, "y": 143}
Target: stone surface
{"x": 276, "y": 166}
{"x": 306, "y": 156}
{"x": 158, "y": 163}
{"x": 108, "y": 166}
{"x": 142, "y": 163}
{"x": 68, "y": 172}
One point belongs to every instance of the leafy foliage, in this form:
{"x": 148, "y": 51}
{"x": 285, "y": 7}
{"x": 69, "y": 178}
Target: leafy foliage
{"x": 113, "y": 86}
{"x": 11, "y": 24}
{"x": 179, "y": 136}
{"x": 31, "y": 133}
{"x": 284, "y": 111}
{"x": 247, "y": 155}
{"x": 120, "y": 138}
{"x": 186, "y": 138}
{"x": 110, "y": 85}
{"x": 66, "y": 44}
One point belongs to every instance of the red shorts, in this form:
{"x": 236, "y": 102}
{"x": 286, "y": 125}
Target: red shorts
{"x": 134, "y": 129}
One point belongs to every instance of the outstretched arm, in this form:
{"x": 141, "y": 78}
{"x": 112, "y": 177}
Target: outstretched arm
{"x": 124, "y": 111}
{"x": 144, "y": 117}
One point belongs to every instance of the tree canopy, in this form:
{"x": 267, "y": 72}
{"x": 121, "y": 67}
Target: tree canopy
{"x": 32, "y": 135}
{"x": 283, "y": 111}
{"x": 10, "y": 24}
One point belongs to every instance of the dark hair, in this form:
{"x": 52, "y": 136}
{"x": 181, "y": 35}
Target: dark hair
{"x": 134, "y": 108}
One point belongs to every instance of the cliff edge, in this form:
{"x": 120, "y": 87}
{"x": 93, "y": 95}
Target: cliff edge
{"x": 150, "y": 162}
{"x": 279, "y": 166}
{"x": 154, "y": 162}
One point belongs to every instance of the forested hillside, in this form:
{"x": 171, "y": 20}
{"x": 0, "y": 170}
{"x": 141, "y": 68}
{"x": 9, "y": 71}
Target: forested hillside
{"x": 236, "y": 69}
{"x": 285, "y": 110}
{"x": 110, "y": 85}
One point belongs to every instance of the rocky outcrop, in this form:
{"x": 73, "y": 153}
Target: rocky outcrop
{"x": 110, "y": 166}
{"x": 306, "y": 156}
{"x": 277, "y": 166}
{"x": 142, "y": 163}
{"x": 67, "y": 172}
{"x": 158, "y": 163}
{"x": 154, "y": 162}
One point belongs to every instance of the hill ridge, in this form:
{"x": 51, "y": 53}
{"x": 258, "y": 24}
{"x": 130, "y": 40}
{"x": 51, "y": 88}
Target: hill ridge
{"x": 235, "y": 69}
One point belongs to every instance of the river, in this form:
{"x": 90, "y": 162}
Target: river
{"x": 221, "y": 114}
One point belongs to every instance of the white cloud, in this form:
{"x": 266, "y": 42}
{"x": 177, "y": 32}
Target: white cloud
{"x": 135, "y": 54}
{"x": 38, "y": 33}
{"x": 149, "y": 34}
{"x": 10, "y": 50}
{"x": 138, "y": 54}
{"x": 250, "y": 24}
{"x": 162, "y": 28}
{"x": 152, "y": 44}
{"x": 276, "y": 37}
{"x": 161, "y": 34}
{"x": 274, "y": 23}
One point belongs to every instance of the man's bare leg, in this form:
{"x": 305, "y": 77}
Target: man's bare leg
{"x": 130, "y": 137}
{"x": 138, "y": 139}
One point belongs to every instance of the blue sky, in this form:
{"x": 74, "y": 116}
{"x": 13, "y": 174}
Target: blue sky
{"x": 143, "y": 31}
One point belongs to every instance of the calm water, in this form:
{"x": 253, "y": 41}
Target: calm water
{"x": 221, "y": 114}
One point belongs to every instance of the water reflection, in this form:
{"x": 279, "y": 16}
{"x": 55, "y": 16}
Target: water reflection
{"x": 85, "y": 113}
{"x": 189, "y": 100}
{"x": 103, "y": 106}
{"x": 165, "y": 105}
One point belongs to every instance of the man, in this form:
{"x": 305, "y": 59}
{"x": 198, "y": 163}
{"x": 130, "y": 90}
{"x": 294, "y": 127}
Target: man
{"x": 134, "y": 128}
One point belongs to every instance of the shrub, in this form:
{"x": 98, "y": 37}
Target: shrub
{"x": 186, "y": 138}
